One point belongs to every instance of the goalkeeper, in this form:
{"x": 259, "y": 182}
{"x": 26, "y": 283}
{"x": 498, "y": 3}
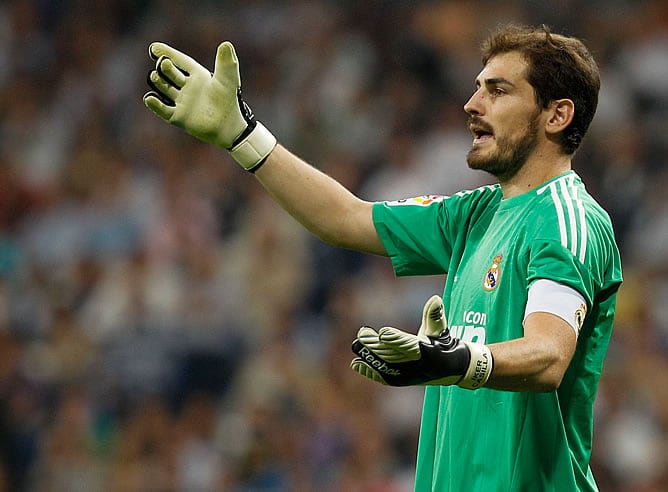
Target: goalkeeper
{"x": 531, "y": 262}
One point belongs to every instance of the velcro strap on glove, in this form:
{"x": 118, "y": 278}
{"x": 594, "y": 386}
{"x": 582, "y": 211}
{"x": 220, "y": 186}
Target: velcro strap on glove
{"x": 480, "y": 366}
{"x": 252, "y": 151}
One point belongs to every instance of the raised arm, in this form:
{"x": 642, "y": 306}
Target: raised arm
{"x": 209, "y": 106}
{"x": 320, "y": 203}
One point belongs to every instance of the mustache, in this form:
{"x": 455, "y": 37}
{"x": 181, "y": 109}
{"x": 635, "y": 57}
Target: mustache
{"x": 480, "y": 124}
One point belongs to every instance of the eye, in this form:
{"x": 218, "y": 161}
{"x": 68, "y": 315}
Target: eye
{"x": 497, "y": 91}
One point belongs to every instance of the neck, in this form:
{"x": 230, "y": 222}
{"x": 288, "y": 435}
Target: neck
{"x": 534, "y": 173}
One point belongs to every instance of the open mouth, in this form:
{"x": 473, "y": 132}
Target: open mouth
{"x": 481, "y": 132}
{"x": 481, "y": 135}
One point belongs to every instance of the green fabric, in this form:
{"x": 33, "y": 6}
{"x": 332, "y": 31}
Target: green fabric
{"x": 492, "y": 250}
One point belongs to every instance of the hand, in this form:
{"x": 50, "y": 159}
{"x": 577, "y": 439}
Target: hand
{"x": 207, "y": 105}
{"x": 432, "y": 357}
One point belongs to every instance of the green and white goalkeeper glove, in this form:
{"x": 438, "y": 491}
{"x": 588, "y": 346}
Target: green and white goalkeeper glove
{"x": 207, "y": 105}
{"x": 432, "y": 357}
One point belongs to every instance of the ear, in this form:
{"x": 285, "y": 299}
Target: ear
{"x": 562, "y": 112}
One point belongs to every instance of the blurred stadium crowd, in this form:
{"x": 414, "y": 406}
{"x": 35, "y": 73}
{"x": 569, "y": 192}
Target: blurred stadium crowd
{"x": 165, "y": 327}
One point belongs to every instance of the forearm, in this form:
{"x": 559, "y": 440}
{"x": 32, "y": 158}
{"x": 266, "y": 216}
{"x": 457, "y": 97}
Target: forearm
{"x": 519, "y": 368}
{"x": 537, "y": 361}
{"x": 319, "y": 203}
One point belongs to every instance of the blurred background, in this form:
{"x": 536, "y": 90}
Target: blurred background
{"x": 165, "y": 327}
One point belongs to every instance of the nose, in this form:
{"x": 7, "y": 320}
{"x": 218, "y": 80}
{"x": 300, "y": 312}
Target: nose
{"x": 474, "y": 105}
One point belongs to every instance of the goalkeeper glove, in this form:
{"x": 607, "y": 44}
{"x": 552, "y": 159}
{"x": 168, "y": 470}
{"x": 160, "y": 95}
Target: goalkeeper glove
{"x": 207, "y": 105}
{"x": 396, "y": 358}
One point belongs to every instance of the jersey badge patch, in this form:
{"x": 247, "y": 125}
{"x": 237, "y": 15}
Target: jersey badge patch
{"x": 580, "y": 314}
{"x": 491, "y": 279}
{"x": 419, "y": 200}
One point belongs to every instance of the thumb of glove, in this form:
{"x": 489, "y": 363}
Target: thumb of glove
{"x": 434, "y": 322}
{"x": 226, "y": 68}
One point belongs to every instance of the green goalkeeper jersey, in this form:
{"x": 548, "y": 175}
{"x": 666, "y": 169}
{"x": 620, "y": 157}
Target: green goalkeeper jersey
{"x": 492, "y": 249}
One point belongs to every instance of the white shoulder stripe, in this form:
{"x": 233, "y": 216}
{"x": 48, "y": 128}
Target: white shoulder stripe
{"x": 560, "y": 215}
{"x": 582, "y": 219}
{"x": 570, "y": 215}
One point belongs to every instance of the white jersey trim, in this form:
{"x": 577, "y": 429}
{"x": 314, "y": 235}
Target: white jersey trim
{"x": 548, "y": 296}
{"x": 572, "y": 223}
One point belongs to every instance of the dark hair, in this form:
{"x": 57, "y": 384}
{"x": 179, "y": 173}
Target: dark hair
{"x": 559, "y": 67}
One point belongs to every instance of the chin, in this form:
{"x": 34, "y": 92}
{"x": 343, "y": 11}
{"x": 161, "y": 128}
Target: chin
{"x": 476, "y": 160}
{"x": 502, "y": 169}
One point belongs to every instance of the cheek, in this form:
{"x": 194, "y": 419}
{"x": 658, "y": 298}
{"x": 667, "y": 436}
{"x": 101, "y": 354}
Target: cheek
{"x": 513, "y": 128}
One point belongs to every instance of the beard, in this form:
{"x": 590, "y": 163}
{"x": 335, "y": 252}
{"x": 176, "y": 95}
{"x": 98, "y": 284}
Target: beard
{"x": 510, "y": 155}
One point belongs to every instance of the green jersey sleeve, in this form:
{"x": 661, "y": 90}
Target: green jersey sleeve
{"x": 577, "y": 250}
{"x": 422, "y": 235}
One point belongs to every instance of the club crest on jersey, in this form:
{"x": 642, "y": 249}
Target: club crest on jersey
{"x": 493, "y": 274}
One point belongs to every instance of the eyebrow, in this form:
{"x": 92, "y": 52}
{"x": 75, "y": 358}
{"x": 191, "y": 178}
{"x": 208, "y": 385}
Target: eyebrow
{"x": 496, "y": 81}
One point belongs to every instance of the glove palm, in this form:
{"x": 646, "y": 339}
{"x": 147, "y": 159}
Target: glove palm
{"x": 207, "y": 105}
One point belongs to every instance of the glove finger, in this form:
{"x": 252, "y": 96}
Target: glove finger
{"x": 368, "y": 337}
{"x": 154, "y": 102}
{"x": 362, "y": 368}
{"x": 226, "y": 69}
{"x": 181, "y": 60}
{"x": 166, "y": 91}
{"x": 404, "y": 345}
{"x": 434, "y": 321}
{"x": 170, "y": 72}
